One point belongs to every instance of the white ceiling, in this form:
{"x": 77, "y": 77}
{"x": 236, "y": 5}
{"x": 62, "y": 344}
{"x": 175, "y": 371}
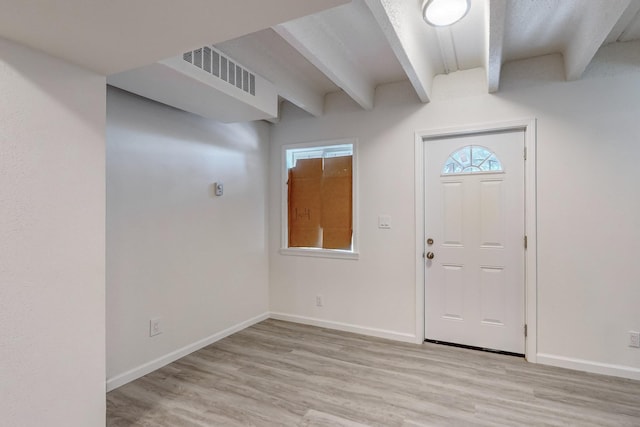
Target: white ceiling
{"x": 359, "y": 45}
{"x": 353, "y": 29}
{"x": 310, "y": 48}
{"x": 109, "y": 36}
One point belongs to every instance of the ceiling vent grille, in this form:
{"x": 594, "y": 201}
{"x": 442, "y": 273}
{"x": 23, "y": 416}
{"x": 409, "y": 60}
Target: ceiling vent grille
{"x": 218, "y": 65}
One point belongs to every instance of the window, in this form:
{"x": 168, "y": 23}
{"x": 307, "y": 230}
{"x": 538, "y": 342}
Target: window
{"x": 472, "y": 159}
{"x": 318, "y": 199}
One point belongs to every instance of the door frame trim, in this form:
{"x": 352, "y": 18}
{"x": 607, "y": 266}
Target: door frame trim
{"x": 530, "y": 177}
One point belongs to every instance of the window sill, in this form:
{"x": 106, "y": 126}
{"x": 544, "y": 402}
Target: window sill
{"x": 319, "y": 253}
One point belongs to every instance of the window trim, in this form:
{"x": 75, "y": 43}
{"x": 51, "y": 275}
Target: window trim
{"x": 354, "y": 254}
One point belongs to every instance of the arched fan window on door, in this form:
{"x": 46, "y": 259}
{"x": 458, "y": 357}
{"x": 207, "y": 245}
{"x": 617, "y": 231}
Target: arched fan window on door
{"x": 472, "y": 159}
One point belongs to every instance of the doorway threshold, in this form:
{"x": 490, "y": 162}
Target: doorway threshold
{"x": 471, "y": 347}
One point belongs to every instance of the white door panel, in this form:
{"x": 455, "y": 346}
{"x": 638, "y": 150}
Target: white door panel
{"x": 474, "y": 285}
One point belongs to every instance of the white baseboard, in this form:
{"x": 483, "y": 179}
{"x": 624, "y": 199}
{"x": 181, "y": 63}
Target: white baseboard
{"x": 142, "y": 370}
{"x": 589, "y": 366}
{"x": 542, "y": 358}
{"x": 346, "y": 327}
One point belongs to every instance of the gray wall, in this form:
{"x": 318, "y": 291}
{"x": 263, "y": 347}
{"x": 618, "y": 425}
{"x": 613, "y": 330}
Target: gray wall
{"x": 175, "y": 250}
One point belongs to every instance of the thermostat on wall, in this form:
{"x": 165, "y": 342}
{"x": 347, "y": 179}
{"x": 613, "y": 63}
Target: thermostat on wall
{"x": 219, "y": 188}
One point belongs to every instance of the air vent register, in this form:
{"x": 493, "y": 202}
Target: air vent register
{"x": 218, "y": 65}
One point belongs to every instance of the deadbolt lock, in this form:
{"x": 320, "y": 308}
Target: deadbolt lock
{"x": 429, "y": 241}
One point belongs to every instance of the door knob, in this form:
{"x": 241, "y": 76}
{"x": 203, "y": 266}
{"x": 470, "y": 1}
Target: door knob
{"x": 430, "y": 255}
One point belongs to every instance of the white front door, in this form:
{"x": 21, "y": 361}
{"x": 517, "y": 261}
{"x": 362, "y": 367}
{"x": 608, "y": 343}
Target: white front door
{"x": 474, "y": 225}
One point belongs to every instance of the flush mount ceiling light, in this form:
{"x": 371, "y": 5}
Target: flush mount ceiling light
{"x": 441, "y": 13}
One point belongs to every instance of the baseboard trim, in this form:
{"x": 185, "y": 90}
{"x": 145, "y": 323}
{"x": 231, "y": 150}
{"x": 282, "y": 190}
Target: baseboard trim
{"x": 144, "y": 369}
{"x": 589, "y": 366}
{"x": 346, "y": 327}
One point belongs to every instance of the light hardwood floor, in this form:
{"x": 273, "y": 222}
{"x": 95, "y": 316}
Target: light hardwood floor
{"x": 285, "y": 374}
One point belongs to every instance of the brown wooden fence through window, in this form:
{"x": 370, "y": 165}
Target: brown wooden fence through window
{"x": 320, "y": 203}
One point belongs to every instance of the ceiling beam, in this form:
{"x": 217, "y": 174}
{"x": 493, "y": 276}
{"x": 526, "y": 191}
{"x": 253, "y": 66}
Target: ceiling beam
{"x": 314, "y": 40}
{"x": 412, "y": 41}
{"x": 598, "y": 20}
{"x": 259, "y": 53}
{"x": 617, "y": 33}
{"x": 299, "y": 94}
{"x": 494, "y": 32}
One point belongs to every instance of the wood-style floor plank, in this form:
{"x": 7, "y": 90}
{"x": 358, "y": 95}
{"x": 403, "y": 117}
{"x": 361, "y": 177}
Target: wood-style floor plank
{"x": 284, "y": 374}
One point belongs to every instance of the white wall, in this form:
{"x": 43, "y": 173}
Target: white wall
{"x": 52, "y": 329}
{"x": 174, "y": 250}
{"x": 588, "y": 204}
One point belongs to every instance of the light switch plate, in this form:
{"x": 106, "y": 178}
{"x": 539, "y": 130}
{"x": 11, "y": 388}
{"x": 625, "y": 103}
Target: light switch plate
{"x": 384, "y": 221}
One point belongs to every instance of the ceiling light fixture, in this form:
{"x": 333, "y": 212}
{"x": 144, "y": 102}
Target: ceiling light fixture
{"x": 441, "y": 13}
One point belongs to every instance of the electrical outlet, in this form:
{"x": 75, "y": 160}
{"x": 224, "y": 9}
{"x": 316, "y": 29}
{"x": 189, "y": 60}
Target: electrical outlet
{"x": 155, "y": 328}
{"x": 318, "y": 300}
{"x": 634, "y": 339}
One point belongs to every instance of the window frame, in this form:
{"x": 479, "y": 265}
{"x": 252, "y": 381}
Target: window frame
{"x": 353, "y": 254}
